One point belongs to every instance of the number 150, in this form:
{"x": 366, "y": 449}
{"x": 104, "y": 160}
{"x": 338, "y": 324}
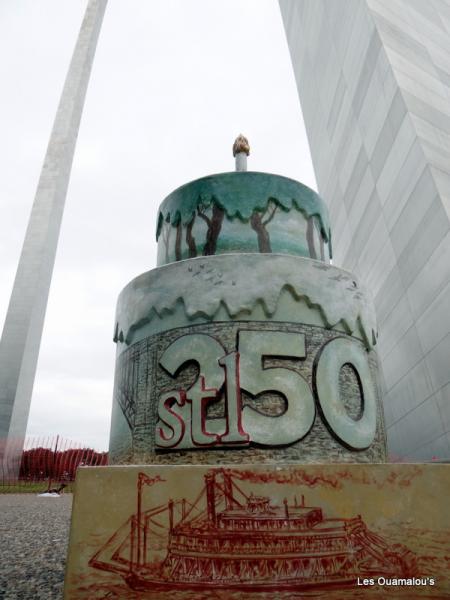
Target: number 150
{"x": 182, "y": 413}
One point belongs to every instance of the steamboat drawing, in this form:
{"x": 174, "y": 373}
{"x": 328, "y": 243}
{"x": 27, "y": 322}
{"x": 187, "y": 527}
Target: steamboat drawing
{"x": 230, "y": 539}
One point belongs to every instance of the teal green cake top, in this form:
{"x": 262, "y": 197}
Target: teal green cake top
{"x": 240, "y": 194}
{"x": 243, "y": 211}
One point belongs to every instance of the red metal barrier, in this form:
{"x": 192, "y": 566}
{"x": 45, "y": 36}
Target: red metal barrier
{"x": 51, "y": 459}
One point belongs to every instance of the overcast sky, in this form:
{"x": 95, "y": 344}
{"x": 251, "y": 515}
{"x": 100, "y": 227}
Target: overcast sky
{"x": 173, "y": 83}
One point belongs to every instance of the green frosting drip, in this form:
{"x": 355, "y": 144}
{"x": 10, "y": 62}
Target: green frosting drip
{"x": 239, "y": 194}
{"x": 239, "y": 283}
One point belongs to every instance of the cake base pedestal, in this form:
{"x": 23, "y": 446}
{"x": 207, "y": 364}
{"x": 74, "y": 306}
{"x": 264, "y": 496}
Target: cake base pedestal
{"x": 260, "y": 531}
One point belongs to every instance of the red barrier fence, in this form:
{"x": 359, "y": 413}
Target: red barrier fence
{"x": 51, "y": 459}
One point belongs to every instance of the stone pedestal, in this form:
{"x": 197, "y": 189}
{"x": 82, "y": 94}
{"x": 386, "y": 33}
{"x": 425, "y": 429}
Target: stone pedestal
{"x": 259, "y": 532}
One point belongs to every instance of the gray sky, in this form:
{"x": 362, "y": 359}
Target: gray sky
{"x": 173, "y": 83}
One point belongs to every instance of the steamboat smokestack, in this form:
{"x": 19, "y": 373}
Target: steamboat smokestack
{"x": 286, "y": 508}
{"x": 170, "y": 515}
{"x": 210, "y": 483}
{"x": 228, "y": 490}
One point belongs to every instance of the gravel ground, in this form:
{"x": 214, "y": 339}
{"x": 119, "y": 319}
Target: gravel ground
{"x": 34, "y": 534}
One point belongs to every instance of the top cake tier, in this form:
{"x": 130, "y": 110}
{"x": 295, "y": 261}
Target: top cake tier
{"x": 243, "y": 212}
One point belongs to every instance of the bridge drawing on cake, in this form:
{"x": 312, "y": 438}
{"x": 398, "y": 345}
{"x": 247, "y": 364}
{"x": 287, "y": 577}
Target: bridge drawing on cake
{"x": 229, "y": 539}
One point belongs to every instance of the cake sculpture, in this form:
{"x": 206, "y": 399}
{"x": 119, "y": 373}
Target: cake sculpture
{"x": 245, "y": 337}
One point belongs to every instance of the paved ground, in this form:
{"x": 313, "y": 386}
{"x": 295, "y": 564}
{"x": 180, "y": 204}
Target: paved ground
{"x": 33, "y": 545}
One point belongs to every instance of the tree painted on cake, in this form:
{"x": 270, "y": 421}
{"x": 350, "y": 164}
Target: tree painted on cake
{"x": 199, "y": 211}
{"x": 214, "y": 225}
{"x": 190, "y": 239}
{"x": 258, "y": 223}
